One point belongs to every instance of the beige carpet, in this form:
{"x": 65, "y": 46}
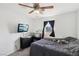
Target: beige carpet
{"x": 24, "y": 52}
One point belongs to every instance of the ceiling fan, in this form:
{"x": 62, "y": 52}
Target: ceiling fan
{"x": 36, "y": 7}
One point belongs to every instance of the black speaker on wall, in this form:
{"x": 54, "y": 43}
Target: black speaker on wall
{"x": 48, "y": 25}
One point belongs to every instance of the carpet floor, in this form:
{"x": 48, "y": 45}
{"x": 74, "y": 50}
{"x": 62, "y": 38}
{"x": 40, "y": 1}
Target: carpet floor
{"x": 24, "y": 52}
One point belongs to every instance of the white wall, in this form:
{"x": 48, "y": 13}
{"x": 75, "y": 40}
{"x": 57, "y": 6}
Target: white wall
{"x": 65, "y": 24}
{"x": 10, "y": 16}
{"x": 77, "y": 24}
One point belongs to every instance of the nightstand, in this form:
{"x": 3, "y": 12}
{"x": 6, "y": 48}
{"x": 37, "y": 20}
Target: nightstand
{"x": 25, "y": 42}
{"x": 35, "y": 38}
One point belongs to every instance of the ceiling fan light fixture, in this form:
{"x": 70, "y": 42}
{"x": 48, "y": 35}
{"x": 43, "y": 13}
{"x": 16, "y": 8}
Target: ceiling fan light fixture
{"x": 37, "y": 11}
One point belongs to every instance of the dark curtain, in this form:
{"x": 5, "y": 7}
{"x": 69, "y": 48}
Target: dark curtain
{"x": 52, "y": 24}
{"x": 45, "y": 22}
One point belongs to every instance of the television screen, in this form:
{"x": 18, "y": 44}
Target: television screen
{"x": 23, "y": 27}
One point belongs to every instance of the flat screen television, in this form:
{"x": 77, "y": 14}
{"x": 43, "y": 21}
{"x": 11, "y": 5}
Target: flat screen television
{"x": 23, "y": 27}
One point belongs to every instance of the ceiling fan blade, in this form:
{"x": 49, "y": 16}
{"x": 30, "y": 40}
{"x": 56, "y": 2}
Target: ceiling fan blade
{"x": 47, "y": 7}
{"x": 31, "y": 11}
{"x": 25, "y": 5}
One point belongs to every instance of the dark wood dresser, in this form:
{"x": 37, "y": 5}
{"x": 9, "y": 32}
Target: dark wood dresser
{"x": 26, "y": 42}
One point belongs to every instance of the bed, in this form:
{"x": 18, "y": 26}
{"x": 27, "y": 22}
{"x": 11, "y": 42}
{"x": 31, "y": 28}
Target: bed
{"x": 46, "y": 47}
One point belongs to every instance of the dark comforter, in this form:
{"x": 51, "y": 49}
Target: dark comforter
{"x": 48, "y": 48}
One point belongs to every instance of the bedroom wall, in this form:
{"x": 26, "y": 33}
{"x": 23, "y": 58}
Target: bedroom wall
{"x": 70, "y": 26}
{"x": 77, "y": 24}
{"x": 10, "y": 16}
{"x": 65, "y": 24}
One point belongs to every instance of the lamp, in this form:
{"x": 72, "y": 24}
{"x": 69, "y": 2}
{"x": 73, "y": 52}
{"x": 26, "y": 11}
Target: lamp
{"x": 39, "y": 11}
